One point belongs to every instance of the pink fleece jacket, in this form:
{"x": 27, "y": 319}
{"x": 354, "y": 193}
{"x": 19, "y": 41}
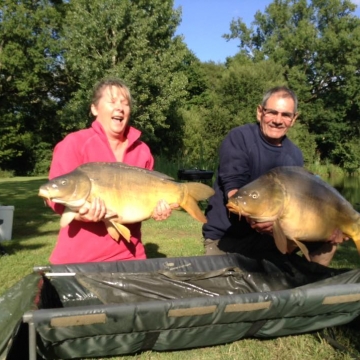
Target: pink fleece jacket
{"x": 89, "y": 242}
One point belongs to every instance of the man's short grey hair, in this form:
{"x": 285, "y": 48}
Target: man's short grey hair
{"x": 281, "y": 91}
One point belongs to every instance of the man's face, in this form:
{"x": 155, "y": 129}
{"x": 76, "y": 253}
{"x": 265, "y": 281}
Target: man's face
{"x": 276, "y": 118}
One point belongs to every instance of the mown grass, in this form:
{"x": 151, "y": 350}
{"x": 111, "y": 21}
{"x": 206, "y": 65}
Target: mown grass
{"x": 35, "y": 230}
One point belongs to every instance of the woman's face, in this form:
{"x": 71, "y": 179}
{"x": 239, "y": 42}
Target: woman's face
{"x": 113, "y": 111}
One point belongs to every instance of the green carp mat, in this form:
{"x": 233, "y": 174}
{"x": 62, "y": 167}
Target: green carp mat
{"x": 121, "y": 308}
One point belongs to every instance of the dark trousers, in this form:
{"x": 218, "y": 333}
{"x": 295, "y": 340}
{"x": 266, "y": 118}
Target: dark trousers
{"x": 254, "y": 245}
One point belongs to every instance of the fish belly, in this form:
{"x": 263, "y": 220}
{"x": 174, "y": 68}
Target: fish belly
{"x": 316, "y": 219}
{"x": 305, "y": 229}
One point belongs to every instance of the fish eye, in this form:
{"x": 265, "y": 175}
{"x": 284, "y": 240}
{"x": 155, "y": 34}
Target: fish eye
{"x": 63, "y": 182}
{"x": 254, "y": 195}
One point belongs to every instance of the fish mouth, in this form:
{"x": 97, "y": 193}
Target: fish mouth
{"x": 236, "y": 209}
{"x": 44, "y": 193}
{"x": 233, "y": 207}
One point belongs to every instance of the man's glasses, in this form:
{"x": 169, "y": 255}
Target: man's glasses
{"x": 270, "y": 113}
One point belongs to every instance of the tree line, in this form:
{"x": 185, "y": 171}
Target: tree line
{"x": 53, "y": 51}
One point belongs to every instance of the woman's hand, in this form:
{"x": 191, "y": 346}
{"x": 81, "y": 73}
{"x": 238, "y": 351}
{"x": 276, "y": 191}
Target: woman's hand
{"x": 92, "y": 212}
{"x": 163, "y": 210}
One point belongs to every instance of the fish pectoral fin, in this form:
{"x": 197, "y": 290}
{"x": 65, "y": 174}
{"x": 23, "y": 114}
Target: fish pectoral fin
{"x": 302, "y": 248}
{"x": 110, "y": 215}
{"x": 279, "y": 237}
{"x": 123, "y": 230}
{"x": 67, "y": 217}
{"x": 112, "y": 230}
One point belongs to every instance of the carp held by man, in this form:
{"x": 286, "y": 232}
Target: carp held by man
{"x": 130, "y": 192}
{"x": 301, "y": 205}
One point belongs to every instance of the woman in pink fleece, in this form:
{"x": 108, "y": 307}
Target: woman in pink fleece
{"x": 110, "y": 138}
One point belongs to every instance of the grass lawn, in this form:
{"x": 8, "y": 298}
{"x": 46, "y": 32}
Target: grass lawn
{"x": 34, "y": 234}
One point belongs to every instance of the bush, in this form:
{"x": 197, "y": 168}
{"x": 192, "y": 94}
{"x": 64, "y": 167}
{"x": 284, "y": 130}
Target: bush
{"x": 6, "y": 174}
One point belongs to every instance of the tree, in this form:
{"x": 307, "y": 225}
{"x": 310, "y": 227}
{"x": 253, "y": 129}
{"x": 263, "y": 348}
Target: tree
{"x": 133, "y": 40}
{"x": 318, "y": 45}
{"x": 30, "y": 77}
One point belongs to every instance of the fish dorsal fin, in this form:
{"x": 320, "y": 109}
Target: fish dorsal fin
{"x": 147, "y": 171}
{"x": 88, "y": 167}
{"x": 123, "y": 230}
{"x": 161, "y": 175}
{"x": 279, "y": 237}
{"x": 67, "y": 217}
{"x": 302, "y": 248}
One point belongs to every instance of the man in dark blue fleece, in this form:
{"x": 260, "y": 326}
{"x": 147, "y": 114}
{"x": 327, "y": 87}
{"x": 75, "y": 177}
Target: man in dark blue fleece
{"x": 246, "y": 153}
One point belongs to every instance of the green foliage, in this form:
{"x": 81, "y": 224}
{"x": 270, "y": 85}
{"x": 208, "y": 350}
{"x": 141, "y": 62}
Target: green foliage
{"x": 299, "y": 134}
{"x": 199, "y": 143}
{"x": 347, "y": 154}
{"x": 6, "y": 174}
{"x": 199, "y": 77}
{"x": 133, "y": 40}
{"x": 52, "y": 53}
{"x": 32, "y": 80}
{"x": 229, "y": 101}
{"x": 318, "y": 45}
{"x": 328, "y": 172}
{"x": 238, "y": 93}
{"x": 42, "y": 159}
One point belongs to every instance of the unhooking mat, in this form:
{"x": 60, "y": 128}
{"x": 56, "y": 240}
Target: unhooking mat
{"x": 116, "y": 308}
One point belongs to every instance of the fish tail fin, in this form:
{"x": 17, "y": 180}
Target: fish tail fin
{"x": 192, "y": 207}
{"x": 199, "y": 191}
{"x": 357, "y": 244}
{"x": 356, "y": 235}
{"x": 193, "y": 193}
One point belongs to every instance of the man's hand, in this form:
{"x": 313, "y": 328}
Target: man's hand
{"x": 337, "y": 237}
{"x": 163, "y": 210}
{"x": 326, "y": 252}
{"x": 261, "y": 227}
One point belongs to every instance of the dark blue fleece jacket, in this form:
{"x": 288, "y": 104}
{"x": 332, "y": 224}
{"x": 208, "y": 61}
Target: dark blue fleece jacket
{"x": 244, "y": 156}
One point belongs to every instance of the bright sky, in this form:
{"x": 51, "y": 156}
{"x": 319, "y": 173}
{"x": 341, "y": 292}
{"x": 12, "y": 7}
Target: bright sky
{"x": 205, "y": 21}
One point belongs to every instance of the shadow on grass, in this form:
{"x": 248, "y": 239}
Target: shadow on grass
{"x": 351, "y": 333}
{"x": 13, "y": 246}
{"x": 344, "y": 338}
{"x": 151, "y": 251}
